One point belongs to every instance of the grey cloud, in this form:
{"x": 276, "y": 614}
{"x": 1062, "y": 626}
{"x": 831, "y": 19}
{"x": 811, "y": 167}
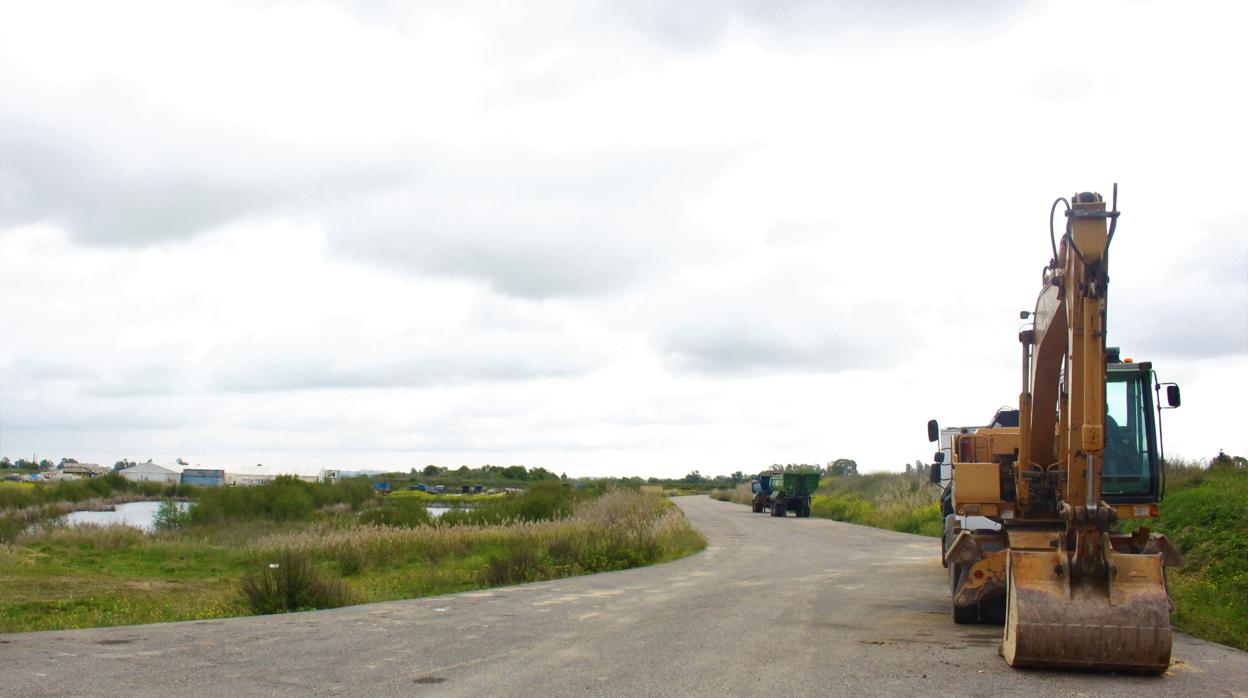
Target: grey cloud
{"x": 103, "y": 196}
{"x": 102, "y": 200}
{"x": 784, "y": 323}
{"x": 694, "y": 23}
{"x": 534, "y": 225}
{"x": 472, "y": 357}
{"x": 526, "y": 223}
{"x": 1197, "y": 304}
{"x": 700, "y": 22}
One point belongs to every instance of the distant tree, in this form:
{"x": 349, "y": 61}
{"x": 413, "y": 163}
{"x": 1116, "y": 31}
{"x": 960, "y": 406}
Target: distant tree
{"x": 430, "y": 470}
{"x": 67, "y": 460}
{"x": 463, "y": 469}
{"x": 842, "y": 467}
{"x": 516, "y": 472}
{"x": 738, "y": 476}
{"x": 693, "y": 478}
{"x": 46, "y": 464}
{"x": 1222, "y": 460}
{"x": 5, "y": 462}
{"x": 123, "y": 464}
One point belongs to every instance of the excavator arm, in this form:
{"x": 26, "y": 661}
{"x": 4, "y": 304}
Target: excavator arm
{"x": 1077, "y": 595}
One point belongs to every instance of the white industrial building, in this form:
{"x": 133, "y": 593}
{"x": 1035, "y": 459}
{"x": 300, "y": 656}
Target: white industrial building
{"x": 247, "y": 479}
{"x": 150, "y": 472}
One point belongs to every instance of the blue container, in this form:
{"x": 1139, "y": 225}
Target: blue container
{"x": 203, "y": 478}
{"x": 422, "y": 487}
{"x": 764, "y": 484}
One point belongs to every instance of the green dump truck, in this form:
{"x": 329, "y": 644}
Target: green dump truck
{"x": 791, "y": 490}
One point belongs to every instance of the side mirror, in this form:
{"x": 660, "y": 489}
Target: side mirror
{"x": 939, "y": 457}
{"x": 933, "y": 430}
{"x": 1172, "y": 395}
{"x": 934, "y": 474}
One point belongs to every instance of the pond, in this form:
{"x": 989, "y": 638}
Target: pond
{"x": 141, "y": 515}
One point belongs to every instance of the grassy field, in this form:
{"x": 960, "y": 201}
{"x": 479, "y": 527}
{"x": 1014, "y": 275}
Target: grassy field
{"x": 84, "y": 577}
{"x": 448, "y": 499}
{"x": 1206, "y": 517}
{"x": 18, "y": 485}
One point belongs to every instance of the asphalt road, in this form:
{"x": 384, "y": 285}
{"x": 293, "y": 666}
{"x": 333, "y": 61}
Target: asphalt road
{"x": 773, "y": 606}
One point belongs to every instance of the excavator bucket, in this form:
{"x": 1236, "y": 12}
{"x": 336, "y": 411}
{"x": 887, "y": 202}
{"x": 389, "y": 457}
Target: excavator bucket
{"x": 1120, "y": 623}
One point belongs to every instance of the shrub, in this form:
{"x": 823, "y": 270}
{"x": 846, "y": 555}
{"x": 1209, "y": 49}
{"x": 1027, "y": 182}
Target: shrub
{"x": 169, "y": 516}
{"x": 520, "y": 562}
{"x": 287, "y": 498}
{"x": 544, "y": 501}
{"x": 398, "y": 511}
{"x": 294, "y": 584}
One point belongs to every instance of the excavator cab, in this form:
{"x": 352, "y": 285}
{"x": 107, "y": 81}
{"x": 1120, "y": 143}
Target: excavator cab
{"x": 1132, "y": 469}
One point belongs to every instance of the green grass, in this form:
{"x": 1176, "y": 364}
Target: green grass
{"x": 19, "y": 485}
{"x": 84, "y": 577}
{"x": 448, "y": 499}
{"x": 1207, "y": 520}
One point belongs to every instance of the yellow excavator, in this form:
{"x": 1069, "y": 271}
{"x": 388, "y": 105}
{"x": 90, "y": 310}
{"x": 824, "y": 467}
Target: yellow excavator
{"x": 1058, "y": 478}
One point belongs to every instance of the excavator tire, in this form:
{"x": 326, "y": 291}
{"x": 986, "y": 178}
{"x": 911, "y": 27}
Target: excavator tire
{"x": 992, "y": 611}
{"x": 962, "y": 615}
{"x": 1116, "y": 624}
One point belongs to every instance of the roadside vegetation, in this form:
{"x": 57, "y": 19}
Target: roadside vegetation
{"x": 293, "y": 545}
{"x": 897, "y": 501}
{"x": 1205, "y": 515}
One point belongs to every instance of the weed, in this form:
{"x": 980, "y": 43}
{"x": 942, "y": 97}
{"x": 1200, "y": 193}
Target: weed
{"x": 292, "y": 584}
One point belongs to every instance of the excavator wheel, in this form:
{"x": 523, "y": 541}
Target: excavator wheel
{"x": 992, "y": 611}
{"x": 1117, "y": 624}
{"x": 962, "y": 615}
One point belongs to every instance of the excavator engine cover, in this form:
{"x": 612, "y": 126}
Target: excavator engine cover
{"x": 1120, "y": 623}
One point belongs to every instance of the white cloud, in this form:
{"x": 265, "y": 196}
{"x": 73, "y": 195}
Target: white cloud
{"x": 599, "y": 238}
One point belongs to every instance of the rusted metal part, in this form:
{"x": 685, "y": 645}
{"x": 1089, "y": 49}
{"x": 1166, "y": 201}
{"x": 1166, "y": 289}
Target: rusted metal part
{"x": 984, "y": 580}
{"x": 963, "y": 549}
{"x": 1161, "y": 545}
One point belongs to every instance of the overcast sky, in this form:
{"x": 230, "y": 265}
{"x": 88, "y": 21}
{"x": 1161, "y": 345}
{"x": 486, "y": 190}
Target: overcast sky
{"x": 603, "y": 238}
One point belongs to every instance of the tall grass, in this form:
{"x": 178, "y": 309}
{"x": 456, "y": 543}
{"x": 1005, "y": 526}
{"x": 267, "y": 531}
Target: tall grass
{"x": 741, "y": 494}
{"x": 546, "y": 500}
{"x": 292, "y": 583}
{"x": 108, "y": 486}
{"x": 285, "y": 499}
{"x": 617, "y": 530}
{"x": 90, "y": 576}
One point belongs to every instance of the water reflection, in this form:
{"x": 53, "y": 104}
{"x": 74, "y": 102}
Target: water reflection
{"x": 141, "y": 515}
